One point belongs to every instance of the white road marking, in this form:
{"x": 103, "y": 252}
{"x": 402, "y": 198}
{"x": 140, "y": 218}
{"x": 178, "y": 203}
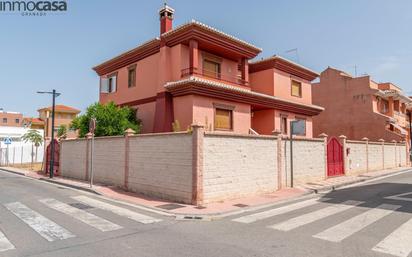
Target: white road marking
{"x": 45, "y": 227}
{"x": 349, "y": 227}
{"x": 398, "y": 243}
{"x": 278, "y": 211}
{"x": 313, "y": 216}
{"x": 117, "y": 210}
{"x": 5, "y": 244}
{"x": 88, "y": 218}
{"x": 399, "y": 197}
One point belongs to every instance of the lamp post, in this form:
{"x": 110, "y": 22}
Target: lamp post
{"x": 54, "y": 94}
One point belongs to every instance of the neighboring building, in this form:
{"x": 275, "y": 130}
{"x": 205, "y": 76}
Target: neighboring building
{"x": 197, "y": 74}
{"x": 33, "y": 123}
{"x": 11, "y": 119}
{"x": 63, "y": 116}
{"x": 358, "y": 107}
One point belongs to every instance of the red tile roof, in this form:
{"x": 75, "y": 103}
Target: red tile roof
{"x": 61, "y": 108}
{"x": 33, "y": 120}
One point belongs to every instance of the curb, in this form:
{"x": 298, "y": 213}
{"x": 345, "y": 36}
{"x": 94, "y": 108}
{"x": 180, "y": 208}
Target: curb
{"x": 90, "y": 190}
{"x": 14, "y": 172}
{"x": 53, "y": 181}
{"x": 218, "y": 215}
{"x": 360, "y": 180}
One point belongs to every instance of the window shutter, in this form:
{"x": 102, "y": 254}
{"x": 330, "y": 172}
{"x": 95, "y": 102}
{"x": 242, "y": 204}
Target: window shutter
{"x": 223, "y": 119}
{"x": 104, "y": 85}
{"x": 114, "y": 83}
{"x": 296, "y": 88}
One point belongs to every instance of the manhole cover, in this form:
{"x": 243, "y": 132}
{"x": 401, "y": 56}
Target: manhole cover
{"x": 241, "y": 205}
{"x": 81, "y": 206}
{"x": 170, "y": 206}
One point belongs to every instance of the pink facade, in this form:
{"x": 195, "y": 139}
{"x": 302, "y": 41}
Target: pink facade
{"x": 358, "y": 107}
{"x": 198, "y": 74}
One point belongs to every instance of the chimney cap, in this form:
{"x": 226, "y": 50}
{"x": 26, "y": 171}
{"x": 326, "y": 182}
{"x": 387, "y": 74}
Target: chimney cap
{"x": 166, "y": 8}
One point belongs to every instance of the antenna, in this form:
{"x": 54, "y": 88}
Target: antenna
{"x": 296, "y": 53}
{"x": 356, "y": 70}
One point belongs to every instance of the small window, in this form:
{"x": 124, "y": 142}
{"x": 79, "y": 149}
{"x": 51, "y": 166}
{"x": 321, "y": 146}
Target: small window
{"x": 211, "y": 68}
{"x": 109, "y": 84}
{"x": 4, "y": 120}
{"x": 17, "y": 121}
{"x": 301, "y": 123}
{"x": 384, "y": 106}
{"x": 396, "y": 105}
{"x": 284, "y": 125}
{"x": 223, "y": 119}
{"x": 132, "y": 77}
{"x": 112, "y": 83}
{"x": 296, "y": 88}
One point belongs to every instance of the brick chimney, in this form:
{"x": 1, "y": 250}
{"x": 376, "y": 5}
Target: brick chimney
{"x": 166, "y": 18}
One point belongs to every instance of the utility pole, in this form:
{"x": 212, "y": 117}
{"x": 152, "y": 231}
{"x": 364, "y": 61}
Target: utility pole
{"x": 54, "y": 95}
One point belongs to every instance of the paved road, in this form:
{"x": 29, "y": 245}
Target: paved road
{"x": 40, "y": 219}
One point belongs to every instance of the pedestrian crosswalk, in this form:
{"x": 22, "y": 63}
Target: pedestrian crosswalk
{"x": 347, "y": 228}
{"x": 42, "y": 225}
{"x": 312, "y": 217}
{"x": 116, "y": 209}
{"x": 48, "y": 229}
{"x": 397, "y": 243}
{"x": 5, "y": 243}
{"x": 88, "y": 218}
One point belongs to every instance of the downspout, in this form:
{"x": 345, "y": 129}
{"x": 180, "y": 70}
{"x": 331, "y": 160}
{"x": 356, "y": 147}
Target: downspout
{"x": 410, "y": 136}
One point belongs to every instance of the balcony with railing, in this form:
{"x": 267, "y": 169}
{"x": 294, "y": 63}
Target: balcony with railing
{"x": 400, "y": 118}
{"x": 216, "y": 76}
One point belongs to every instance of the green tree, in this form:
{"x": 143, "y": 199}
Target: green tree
{"x": 111, "y": 120}
{"x": 36, "y": 139}
{"x": 62, "y": 130}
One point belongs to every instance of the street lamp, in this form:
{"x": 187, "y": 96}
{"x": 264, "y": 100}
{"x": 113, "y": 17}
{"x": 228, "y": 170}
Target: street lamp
{"x": 55, "y": 94}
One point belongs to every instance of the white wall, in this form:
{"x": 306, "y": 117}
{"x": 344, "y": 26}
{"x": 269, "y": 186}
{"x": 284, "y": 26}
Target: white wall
{"x": 18, "y": 152}
{"x": 236, "y": 166}
{"x": 308, "y": 160}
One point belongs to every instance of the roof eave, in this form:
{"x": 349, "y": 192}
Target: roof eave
{"x": 283, "y": 64}
{"x": 183, "y": 87}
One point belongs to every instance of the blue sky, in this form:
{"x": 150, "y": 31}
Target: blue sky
{"x": 58, "y": 51}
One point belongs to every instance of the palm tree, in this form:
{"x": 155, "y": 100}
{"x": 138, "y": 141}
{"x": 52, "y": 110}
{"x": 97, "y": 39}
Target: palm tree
{"x": 35, "y": 138}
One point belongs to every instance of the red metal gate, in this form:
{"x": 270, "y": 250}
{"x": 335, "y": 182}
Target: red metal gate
{"x": 56, "y": 166}
{"x": 335, "y": 158}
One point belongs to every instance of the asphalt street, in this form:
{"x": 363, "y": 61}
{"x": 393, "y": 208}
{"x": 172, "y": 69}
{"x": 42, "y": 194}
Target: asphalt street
{"x": 42, "y": 219}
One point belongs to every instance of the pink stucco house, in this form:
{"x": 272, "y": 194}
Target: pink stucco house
{"x": 362, "y": 108}
{"x": 198, "y": 74}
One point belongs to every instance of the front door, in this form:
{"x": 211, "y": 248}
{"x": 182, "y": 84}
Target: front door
{"x": 335, "y": 158}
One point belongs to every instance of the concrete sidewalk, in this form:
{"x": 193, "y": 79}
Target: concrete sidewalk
{"x": 337, "y": 182}
{"x": 222, "y": 208}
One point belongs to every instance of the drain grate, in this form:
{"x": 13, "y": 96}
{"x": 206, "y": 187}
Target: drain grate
{"x": 81, "y": 206}
{"x": 241, "y": 205}
{"x": 170, "y": 206}
{"x": 200, "y": 207}
{"x": 192, "y": 218}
